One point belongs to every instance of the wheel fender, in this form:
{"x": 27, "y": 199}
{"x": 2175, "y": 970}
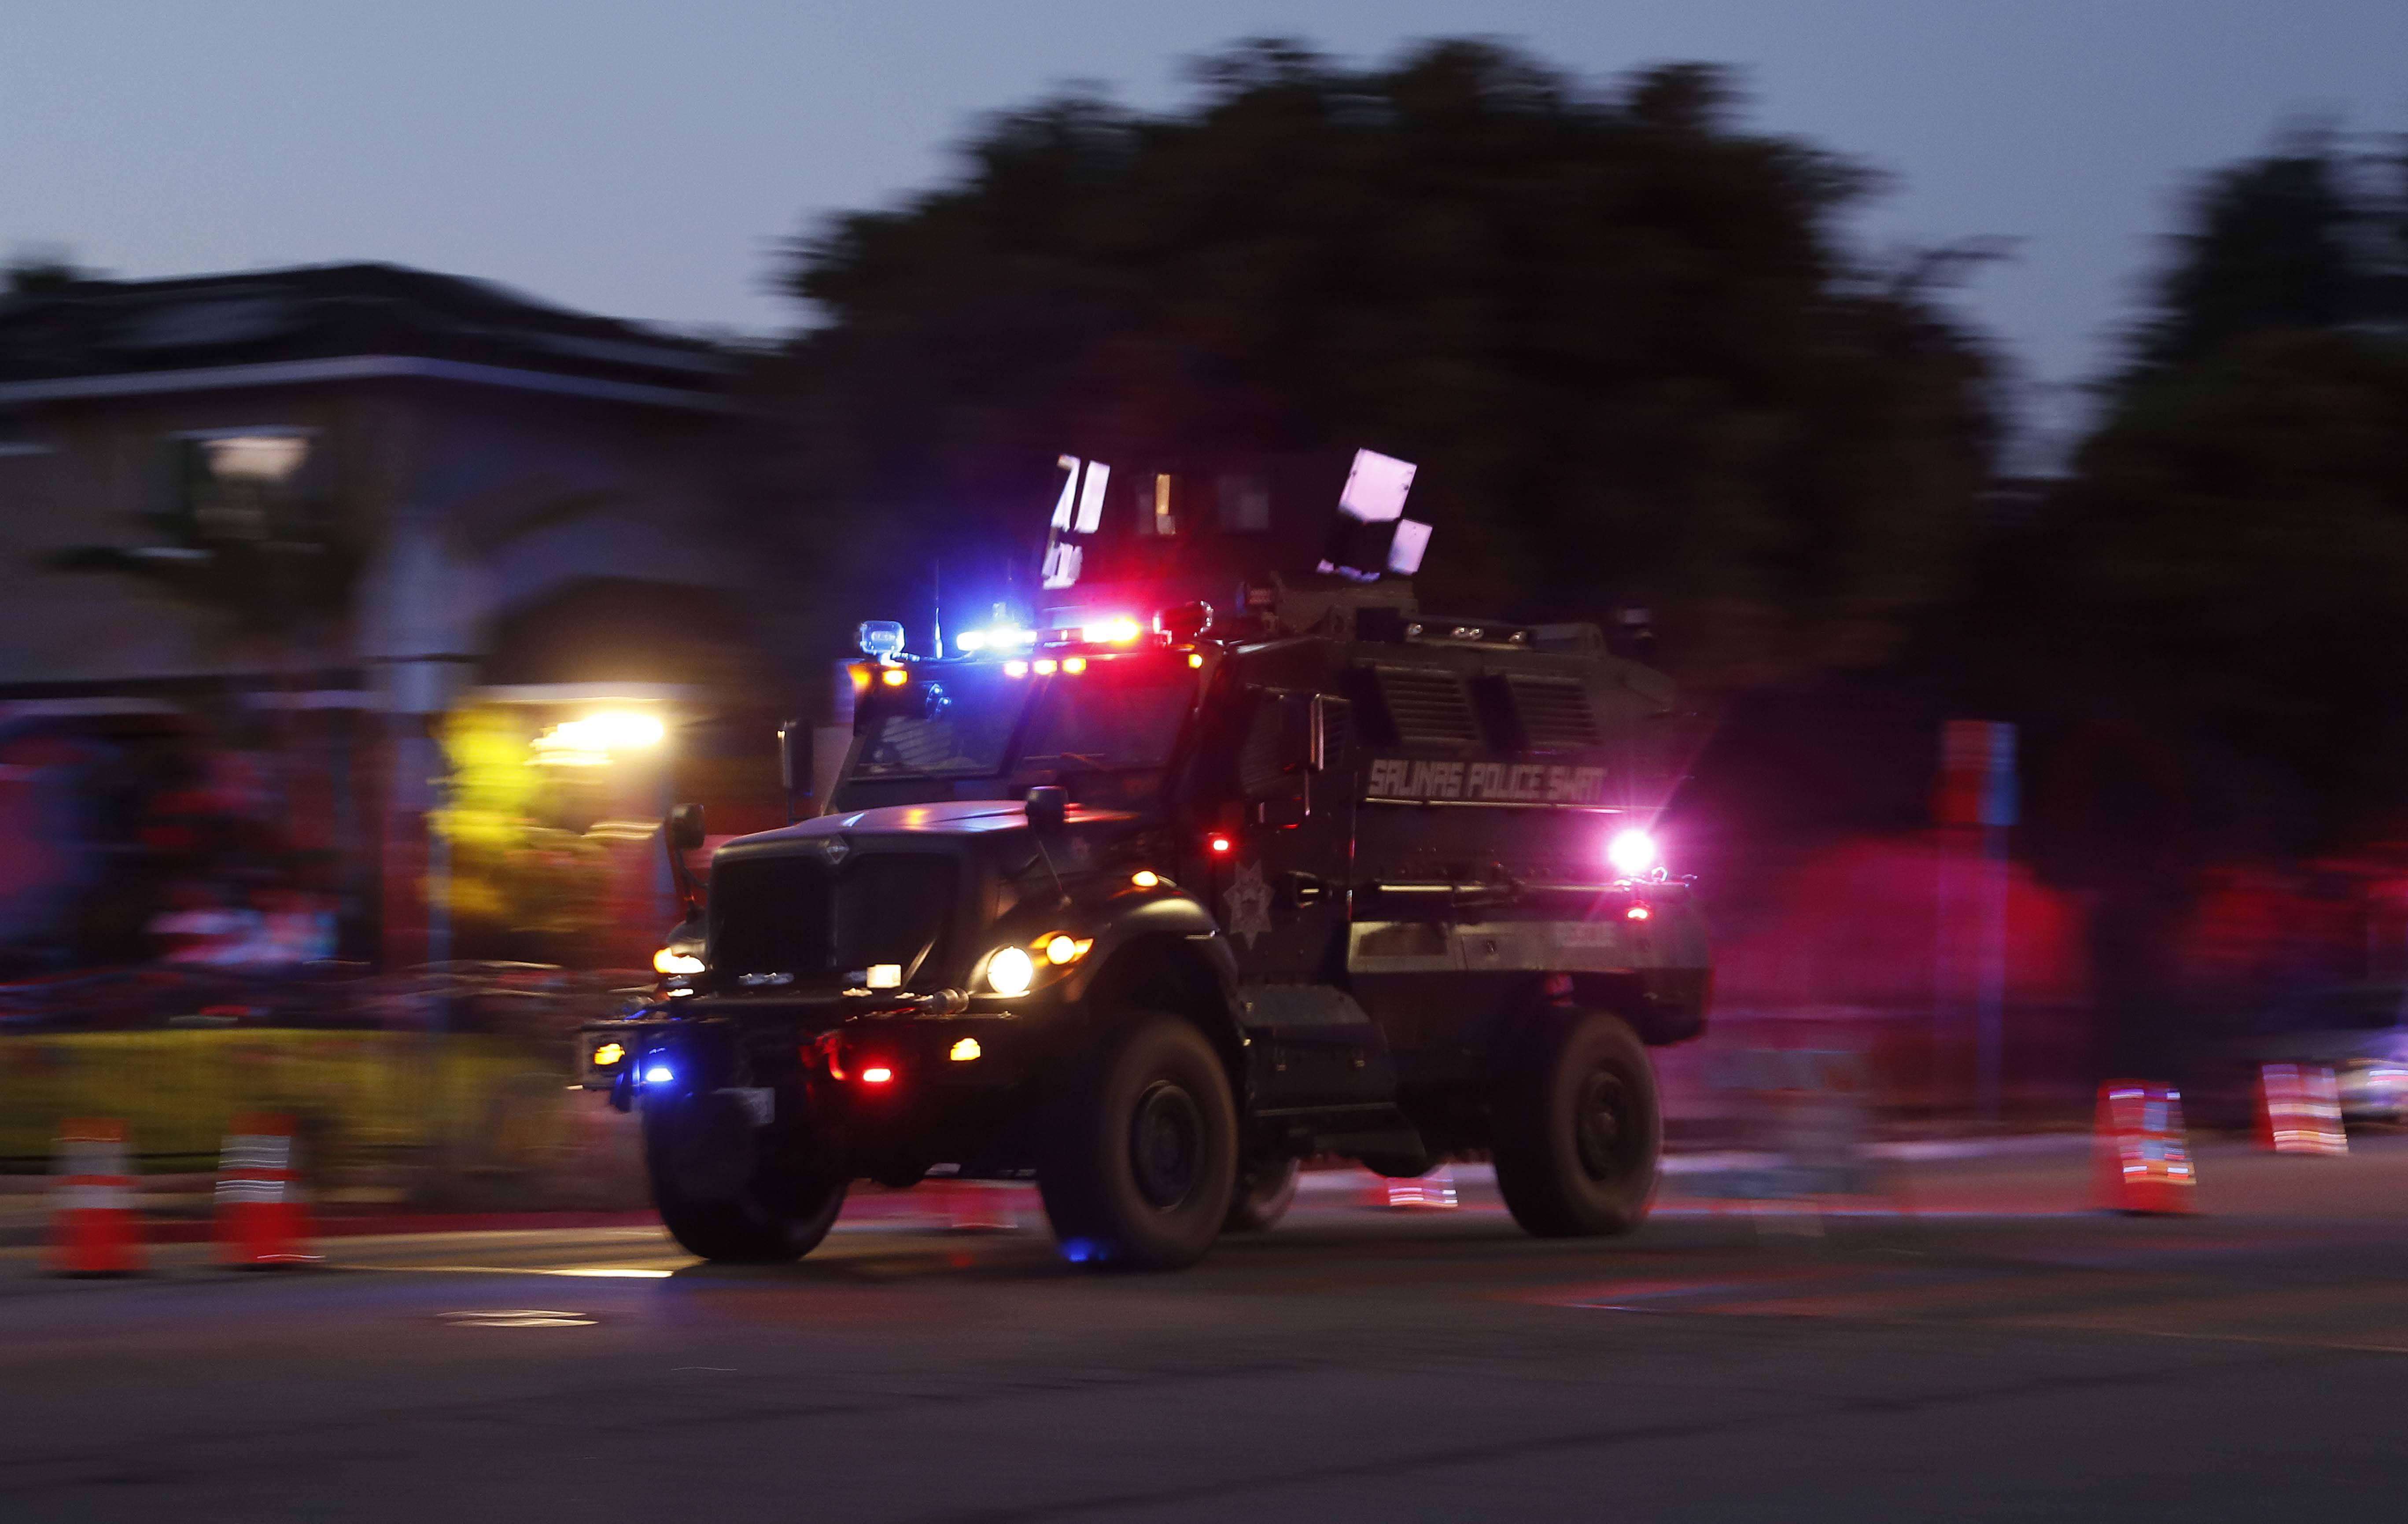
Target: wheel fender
{"x": 1165, "y": 954}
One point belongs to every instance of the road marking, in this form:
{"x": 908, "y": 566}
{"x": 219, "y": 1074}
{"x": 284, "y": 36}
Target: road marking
{"x": 590, "y": 1272}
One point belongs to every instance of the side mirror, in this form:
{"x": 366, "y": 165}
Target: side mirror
{"x": 1048, "y": 809}
{"x": 681, "y": 833}
{"x": 684, "y": 828}
{"x": 794, "y": 763}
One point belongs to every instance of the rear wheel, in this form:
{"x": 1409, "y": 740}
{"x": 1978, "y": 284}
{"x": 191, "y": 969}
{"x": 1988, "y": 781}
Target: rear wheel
{"x": 1578, "y": 1130}
{"x": 718, "y": 1192}
{"x": 1265, "y": 1192}
{"x": 1141, "y": 1158}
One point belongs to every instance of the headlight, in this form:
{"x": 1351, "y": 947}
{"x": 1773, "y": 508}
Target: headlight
{"x": 1010, "y": 972}
{"x": 666, "y": 961}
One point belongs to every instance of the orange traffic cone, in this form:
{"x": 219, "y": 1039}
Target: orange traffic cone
{"x": 2143, "y": 1155}
{"x": 2299, "y": 1110}
{"x": 96, "y": 1230}
{"x": 261, "y": 1221}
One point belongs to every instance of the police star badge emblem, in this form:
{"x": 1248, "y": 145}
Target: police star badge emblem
{"x": 1247, "y": 903}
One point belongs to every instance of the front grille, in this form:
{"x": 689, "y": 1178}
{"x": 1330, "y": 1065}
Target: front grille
{"x": 770, "y": 915}
{"x": 795, "y": 915}
{"x": 891, "y": 907}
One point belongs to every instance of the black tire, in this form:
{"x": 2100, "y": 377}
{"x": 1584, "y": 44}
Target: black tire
{"x": 1140, "y": 1153}
{"x": 717, "y": 1193}
{"x": 1579, "y": 1128}
{"x": 1265, "y": 1192}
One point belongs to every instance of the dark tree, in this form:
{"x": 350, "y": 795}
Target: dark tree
{"x": 1616, "y": 331}
{"x": 2205, "y": 626}
{"x": 35, "y": 270}
{"x": 2226, "y": 568}
{"x": 2306, "y": 238}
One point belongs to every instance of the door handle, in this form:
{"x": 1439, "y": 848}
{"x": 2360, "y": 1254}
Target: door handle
{"x": 1303, "y": 889}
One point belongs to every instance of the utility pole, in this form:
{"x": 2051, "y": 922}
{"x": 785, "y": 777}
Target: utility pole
{"x": 1975, "y": 804}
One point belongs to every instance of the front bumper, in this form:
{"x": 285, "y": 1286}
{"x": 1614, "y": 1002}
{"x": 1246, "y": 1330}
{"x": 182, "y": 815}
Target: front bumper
{"x": 844, "y": 1058}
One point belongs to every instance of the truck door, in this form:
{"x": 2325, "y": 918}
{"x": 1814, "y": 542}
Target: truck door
{"x": 1283, "y": 903}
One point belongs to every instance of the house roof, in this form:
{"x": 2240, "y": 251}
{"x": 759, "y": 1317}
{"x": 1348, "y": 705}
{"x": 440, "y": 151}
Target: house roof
{"x": 326, "y": 323}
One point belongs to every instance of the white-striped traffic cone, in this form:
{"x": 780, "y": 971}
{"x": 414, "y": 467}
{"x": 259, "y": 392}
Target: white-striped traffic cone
{"x": 95, "y": 1229}
{"x": 2299, "y": 1110}
{"x": 1434, "y": 1191}
{"x": 261, "y": 1221}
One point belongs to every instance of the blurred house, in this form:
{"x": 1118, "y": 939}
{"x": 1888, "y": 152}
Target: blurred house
{"x": 258, "y": 531}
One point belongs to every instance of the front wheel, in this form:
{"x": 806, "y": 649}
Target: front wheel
{"x": 719, "y": 1195}
{"x": 1578, "y": 1130}
{"x": 1140, "y": 1156}
{"x": 1265, "y": 1192}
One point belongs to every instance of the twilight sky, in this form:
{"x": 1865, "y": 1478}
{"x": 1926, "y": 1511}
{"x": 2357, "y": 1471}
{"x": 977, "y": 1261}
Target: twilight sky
{"x": 645, "y": 158}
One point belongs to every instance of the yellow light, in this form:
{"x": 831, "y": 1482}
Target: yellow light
{"x": 1015, "y": 669}
{"x": 1194, "y": 660}
{"x": 1062, "y": 948}
{"x": 1146, "y": 879}
{"x": 965, "y": 1051}
{"x": 860, "y": 679}
{"x": 1045, "y": 668}
{"x": 893, "y": 676}
{"x": 607, "y": 1054}
{"x": 1074, "y": 665}
{"x": 666, "y": 962}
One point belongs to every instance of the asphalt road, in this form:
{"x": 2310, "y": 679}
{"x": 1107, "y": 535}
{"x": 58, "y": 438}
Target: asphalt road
{"x": 1978, "y": 1348}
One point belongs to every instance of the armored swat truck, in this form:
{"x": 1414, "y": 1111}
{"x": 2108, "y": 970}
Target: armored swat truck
{"x": 1154, "y": 913}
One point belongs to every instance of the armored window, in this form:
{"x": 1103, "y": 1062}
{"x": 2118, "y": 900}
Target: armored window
{"x": 1554, "y": 714}
{"x": 1428, "y": 707}
{"x": 1260, "y": 766}
{"x": 1337, "y": 732}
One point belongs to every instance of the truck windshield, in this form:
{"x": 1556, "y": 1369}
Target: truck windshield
{"x": 1121, "y": 712}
